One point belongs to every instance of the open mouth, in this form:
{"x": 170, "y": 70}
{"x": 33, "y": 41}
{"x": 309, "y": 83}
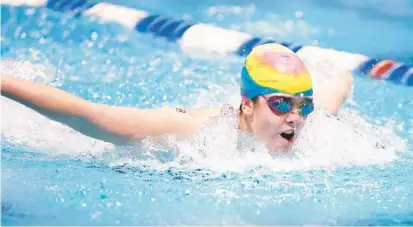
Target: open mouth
{"x": 288, "y": 135}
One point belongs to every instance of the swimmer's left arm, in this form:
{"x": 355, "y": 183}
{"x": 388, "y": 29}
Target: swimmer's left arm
{"x": 333, "y": 96}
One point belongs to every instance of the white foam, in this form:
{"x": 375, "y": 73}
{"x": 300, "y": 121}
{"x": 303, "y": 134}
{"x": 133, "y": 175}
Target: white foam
{"x": 350, "y": 140}
{"x": 326, "y": 141}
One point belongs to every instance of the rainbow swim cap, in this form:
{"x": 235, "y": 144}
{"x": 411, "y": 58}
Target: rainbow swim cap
{"x": 273, "y": 68}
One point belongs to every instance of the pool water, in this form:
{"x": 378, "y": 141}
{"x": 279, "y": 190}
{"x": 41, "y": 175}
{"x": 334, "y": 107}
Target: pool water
{"x": 54, "y": 176}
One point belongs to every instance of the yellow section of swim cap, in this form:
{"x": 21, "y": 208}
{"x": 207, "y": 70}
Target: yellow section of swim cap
{"x": 267, "y": 76}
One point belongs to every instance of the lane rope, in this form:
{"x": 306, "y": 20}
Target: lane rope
{"x": 223, "y": 41}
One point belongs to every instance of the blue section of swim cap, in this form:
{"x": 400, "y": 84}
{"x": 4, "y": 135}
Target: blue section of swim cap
{"x": 249, "y": 88}
{"x": 397, "y": 74}
{"x": 306, "y": 93}
{"x": 162, "y": 26}
{"x": 366, "y": 66}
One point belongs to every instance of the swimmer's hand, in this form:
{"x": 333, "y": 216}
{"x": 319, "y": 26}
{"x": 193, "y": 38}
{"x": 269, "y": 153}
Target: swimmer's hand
{"x": 114, "y": 124}
{"x": 331, "y": 97}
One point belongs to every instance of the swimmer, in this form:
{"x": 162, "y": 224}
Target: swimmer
{"x": 276, "y": 97}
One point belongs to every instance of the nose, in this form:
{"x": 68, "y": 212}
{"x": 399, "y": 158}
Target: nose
{"x": 293, "y": 118}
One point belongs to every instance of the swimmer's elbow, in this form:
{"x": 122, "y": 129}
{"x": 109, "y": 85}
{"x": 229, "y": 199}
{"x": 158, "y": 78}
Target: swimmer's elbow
{"x": 122, "y": 125}
{"x": 332, "y": 97}
{"x": 97, "y": 122}
{"x": 96, "y": 130}
{"x": 344, "y": 92}
{"x": 333, "y": 103}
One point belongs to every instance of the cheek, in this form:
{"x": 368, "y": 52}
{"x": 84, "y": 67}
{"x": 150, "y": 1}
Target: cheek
{"x": 266, "y": 121}
{"x": 300, "y": 124}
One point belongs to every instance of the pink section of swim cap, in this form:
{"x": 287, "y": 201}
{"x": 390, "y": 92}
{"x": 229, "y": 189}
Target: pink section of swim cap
{"x": 282, "y": 61}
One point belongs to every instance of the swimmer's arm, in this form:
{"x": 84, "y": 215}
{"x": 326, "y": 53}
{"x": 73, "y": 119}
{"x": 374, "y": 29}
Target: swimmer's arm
{"x": 118, "y": 125}
{"x": 332, "y": 97}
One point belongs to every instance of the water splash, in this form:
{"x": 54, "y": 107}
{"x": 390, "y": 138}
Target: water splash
{"x": 326, "y": 141}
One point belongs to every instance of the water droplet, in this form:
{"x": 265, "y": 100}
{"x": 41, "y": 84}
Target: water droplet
{"x": 94, "y": 36}
{"x": 298, "y": 14}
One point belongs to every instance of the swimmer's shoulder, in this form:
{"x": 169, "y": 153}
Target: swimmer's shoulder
{"x": 174, "y": 121}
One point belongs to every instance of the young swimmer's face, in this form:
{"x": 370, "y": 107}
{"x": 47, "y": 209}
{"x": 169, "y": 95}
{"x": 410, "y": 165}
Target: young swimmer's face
{"x": 274, "y": 68}
{"x": 274, "y": 126}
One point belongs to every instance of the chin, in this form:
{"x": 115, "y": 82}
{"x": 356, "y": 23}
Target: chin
{"x": 280, "y": 147}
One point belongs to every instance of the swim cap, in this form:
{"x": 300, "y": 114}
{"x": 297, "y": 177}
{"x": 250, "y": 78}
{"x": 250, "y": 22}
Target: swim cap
{"x": 273, "y": 68}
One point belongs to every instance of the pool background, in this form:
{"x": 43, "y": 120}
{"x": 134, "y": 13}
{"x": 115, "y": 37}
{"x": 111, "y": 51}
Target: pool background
{"x": 333, "y": 24}
{"x": 49, "y": 178}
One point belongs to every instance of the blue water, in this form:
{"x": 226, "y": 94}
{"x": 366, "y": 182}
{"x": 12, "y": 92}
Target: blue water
{"x": 109, "y": 64}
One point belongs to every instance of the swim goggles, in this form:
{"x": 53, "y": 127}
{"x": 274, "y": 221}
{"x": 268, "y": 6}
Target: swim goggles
{"x": 282, "y": 104}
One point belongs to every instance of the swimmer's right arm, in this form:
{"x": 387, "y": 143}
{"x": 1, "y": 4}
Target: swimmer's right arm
{"x": 114, "y": 124}
{"x": 331, "y": 97}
